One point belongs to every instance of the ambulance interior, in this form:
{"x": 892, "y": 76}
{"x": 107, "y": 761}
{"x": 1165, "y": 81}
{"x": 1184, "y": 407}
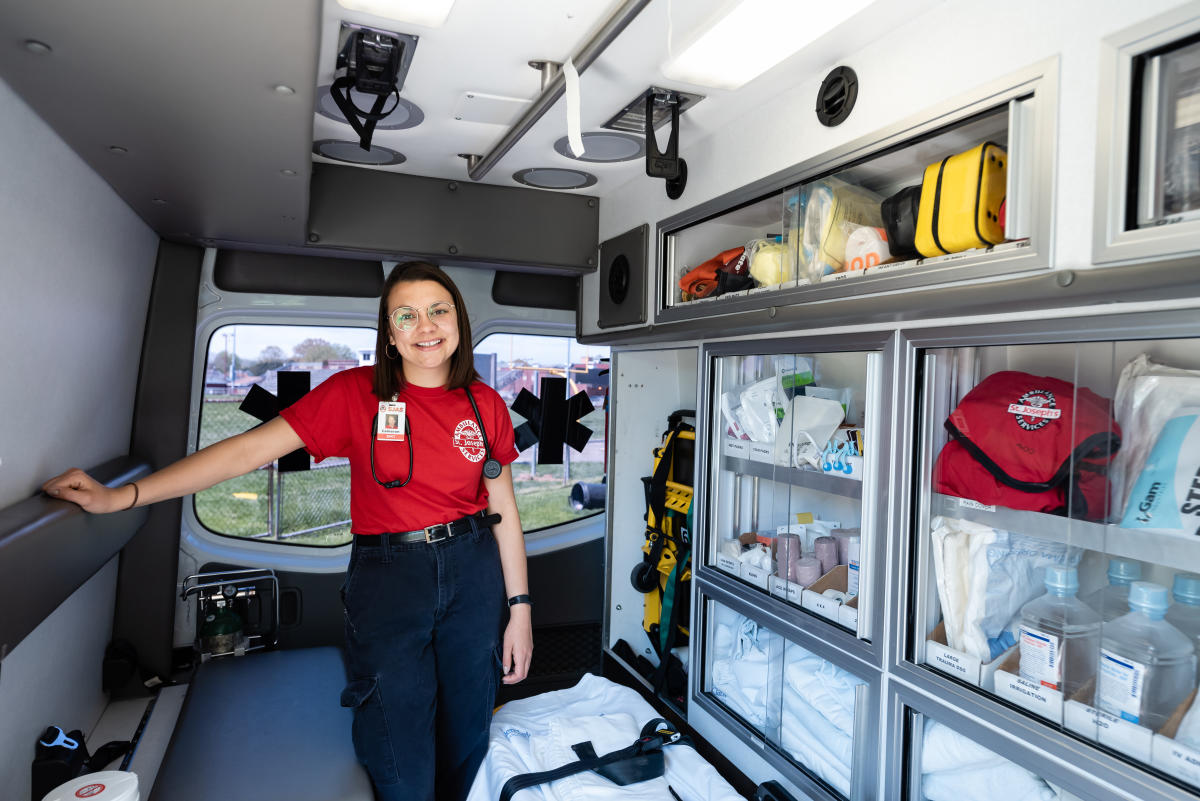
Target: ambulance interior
{"x": 713, "y": 224}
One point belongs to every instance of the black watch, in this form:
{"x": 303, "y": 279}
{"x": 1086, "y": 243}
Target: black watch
{"x": 519, "y": 599}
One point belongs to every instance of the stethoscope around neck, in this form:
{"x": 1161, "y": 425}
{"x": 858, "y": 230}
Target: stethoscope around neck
{"x": 491, "y": 467}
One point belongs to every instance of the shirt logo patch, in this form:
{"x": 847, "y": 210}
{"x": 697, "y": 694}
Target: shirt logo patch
{"x": 1035, "y": 409}
{"x": 469, "y": 440}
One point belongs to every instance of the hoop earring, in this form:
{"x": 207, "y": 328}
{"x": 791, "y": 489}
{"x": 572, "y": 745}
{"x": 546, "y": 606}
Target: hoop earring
{"x": 393, "y": 347}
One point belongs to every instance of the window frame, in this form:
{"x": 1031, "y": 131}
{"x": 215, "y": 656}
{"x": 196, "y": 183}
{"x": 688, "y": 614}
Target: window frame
{"x": 569, "y": 526}
{"x": 313, "y": 312}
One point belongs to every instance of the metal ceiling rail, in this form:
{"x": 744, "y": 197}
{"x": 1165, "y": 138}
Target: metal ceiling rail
{"x": 612, "y": 28}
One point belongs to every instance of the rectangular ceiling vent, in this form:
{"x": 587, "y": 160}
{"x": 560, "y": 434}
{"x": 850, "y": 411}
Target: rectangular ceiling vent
{"x": 632, "y": 118}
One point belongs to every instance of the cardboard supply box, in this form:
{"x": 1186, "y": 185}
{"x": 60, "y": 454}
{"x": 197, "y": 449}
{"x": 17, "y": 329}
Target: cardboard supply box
{"x": 1175, "y": 758}
{"x": 1077, "y": 714}
{"x": 844, "y": 614}
{"x": 961, "y": 665}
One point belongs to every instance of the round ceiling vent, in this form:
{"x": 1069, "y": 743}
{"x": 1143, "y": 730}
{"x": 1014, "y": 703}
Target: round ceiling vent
{"x": 554, "y": 178}
{"x": 342, "y": 150}
{"x": 605, "y": 147}
{"x": 404, "y": 115}
{"x": 837, "y": 95}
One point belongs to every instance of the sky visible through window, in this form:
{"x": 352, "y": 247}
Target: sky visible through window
{"x": 250, "y": 340}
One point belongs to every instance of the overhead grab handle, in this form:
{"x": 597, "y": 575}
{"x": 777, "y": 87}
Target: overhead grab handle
{"x": 665, "y": 164}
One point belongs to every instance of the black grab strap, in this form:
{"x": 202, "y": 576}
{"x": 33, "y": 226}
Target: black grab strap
{"x": 635, "y": 763}
{"x": 340, "y": 91}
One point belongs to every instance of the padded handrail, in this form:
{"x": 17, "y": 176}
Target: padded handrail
{"x": 50, "y": 548}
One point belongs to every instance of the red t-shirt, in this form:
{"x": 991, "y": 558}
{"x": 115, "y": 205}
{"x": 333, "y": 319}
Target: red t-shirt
{"x": 334, "y": 419}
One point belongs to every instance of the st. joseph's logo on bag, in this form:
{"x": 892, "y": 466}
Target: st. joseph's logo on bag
{"x": 469, "y": 440}
{"x": 1035, "y": 409}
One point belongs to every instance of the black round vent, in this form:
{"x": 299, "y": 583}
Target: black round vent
{"x": 837, "y": 96}
{"x": 618, "y": 279}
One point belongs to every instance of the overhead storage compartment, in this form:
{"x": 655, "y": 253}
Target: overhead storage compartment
{"x": 960, "y": 193}
{"x": 1148, "y": 148}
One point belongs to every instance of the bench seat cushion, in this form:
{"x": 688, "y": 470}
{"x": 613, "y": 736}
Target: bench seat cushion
{"x": 267, "y": 726}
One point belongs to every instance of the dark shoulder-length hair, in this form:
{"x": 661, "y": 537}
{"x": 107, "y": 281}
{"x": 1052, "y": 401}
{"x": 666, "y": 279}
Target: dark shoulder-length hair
{"x": 389, "y": 377}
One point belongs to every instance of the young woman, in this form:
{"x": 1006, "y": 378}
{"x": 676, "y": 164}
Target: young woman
{"x": 437, "y": 547}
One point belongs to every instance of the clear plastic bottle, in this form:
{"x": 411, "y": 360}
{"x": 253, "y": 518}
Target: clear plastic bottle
{"x": 1112, "y": 601}
{"x": 1059, "y": 635}
{"x": 1147, "y": 666}
{"x": 1184, "y": 614}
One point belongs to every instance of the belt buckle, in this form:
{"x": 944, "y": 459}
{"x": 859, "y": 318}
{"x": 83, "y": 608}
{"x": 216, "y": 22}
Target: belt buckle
{"x": 431, "y": 530}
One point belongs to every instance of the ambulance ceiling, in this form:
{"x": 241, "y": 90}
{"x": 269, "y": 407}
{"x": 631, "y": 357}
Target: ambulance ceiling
{"x": 206, "y": 117}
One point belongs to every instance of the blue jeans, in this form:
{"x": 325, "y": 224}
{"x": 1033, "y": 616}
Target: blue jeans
{"x": 422, "y": 631}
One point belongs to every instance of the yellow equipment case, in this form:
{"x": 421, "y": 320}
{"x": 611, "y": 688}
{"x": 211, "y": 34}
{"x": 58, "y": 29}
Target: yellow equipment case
{"x": 960, "y": 201}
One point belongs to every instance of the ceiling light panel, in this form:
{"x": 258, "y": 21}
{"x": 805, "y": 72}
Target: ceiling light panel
{"x": 749, "y": 37}
{"x": 429, "y": 13}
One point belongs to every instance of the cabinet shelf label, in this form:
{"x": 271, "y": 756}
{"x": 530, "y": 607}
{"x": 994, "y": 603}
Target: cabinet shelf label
{"x": 1110, "y": 730}
{"x": 823, "y": 606}
{"x": 756, "y": 576}
{"x": 729, "y": 564}
{"x": 787, "y": 590}
{"x": 956, "y": 663}
{"x": 737, "y": 448}
{"x": 1030, "y": 695}
{"x": 1176, "y": 759}
{"x": 762, "y": 452}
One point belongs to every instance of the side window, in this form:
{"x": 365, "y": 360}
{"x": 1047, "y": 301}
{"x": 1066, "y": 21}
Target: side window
{"x": 550, "y": 494}
{"x": 310, "y": 507}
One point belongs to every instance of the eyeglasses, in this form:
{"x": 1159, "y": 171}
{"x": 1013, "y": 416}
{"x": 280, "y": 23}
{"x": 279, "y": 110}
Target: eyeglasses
{"x": 405, "y": 317}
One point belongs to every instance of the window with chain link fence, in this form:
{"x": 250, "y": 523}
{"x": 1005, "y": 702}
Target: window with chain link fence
{"x": 313, "y": 507}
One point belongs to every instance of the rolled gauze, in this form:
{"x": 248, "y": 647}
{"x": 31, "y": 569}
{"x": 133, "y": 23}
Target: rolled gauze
{"x": 826, "y": 550}
{"x": 805, "y": 570}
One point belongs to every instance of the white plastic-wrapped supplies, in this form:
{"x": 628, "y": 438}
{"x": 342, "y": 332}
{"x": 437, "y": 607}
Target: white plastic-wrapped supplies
{"x": 741, "y": 668}
{"x": 760, "y": 410}
{"x": 955, "y": 768}
{"x": 790, "y": 695}
{"x": 1166, "y": 493}
{"x": 984, "y": 576}
{"x": 828, "y": 205}
{"x": 536, "y": 734}
{"x": 1149, "y": 395}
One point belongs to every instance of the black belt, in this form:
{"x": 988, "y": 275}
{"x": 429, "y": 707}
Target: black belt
{"x": 442, "y": 531}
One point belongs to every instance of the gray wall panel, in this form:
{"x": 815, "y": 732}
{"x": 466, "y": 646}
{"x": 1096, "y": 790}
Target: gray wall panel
{"x": 76, "y": 265}
{"x": 385, "y": 212}
{"x": 146, "y": 590}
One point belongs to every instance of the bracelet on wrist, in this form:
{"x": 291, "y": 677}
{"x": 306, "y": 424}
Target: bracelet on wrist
{"x": 132, "y": 503}
{"x": 520, "y": 599}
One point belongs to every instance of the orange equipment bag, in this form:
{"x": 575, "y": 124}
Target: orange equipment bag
{"x": 701, "y": 281}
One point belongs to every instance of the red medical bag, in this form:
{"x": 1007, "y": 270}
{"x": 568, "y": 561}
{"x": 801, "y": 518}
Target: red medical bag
{"x": 1029, "y": 442}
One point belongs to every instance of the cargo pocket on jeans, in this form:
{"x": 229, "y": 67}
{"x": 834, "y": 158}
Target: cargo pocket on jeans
{"x": 497, "y": 674}
{"x": 372, "y": 739}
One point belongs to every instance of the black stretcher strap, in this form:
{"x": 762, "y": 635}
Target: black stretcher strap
{"x": 639, "y": 762}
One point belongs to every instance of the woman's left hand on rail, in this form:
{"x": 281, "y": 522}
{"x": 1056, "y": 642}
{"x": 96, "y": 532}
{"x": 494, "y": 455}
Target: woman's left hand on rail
{"x": 518, "y": 644}
{"x": 78, "y": 487}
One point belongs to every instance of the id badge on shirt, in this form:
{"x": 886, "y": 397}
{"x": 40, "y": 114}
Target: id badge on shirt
{"x": 390, "y": 425}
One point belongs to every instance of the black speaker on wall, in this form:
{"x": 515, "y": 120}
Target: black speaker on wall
{"x": 623, "y": 279}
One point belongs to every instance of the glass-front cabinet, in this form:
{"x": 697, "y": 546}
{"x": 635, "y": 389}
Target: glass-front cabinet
{"x": 794, "y": 447}
{"x": 944, "y": 763}
{"x": 791, "y": 527}
{"x": 1057, "y": 528}
{"x": 810, "y": 714}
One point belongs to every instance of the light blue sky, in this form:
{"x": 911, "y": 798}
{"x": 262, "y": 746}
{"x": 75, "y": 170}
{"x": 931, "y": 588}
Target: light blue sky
{"x": 251, "y": 339}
